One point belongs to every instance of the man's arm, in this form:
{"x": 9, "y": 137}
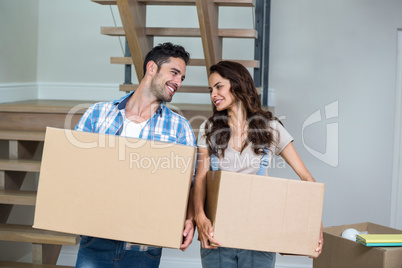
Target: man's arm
{"x": 187, "y": 138}
{"x": 189, "y": 225}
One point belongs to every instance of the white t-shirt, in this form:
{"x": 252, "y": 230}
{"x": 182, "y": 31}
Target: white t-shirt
{"x": 247, "y": 161}
{"x": 131, "y": 129}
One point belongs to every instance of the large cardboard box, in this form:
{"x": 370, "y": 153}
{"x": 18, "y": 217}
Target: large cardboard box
{"x": 264, "y": 213}
{"x": 339, "y": 252}
{"x": 114, "y": 187}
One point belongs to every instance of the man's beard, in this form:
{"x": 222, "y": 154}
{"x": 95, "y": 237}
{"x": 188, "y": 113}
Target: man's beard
{"x": 158, "y": 90}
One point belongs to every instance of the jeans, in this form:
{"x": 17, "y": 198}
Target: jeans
{"x": 104, "y": 253}
{"x": 231, "y": 257}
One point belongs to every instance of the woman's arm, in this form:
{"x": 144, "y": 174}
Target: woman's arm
{"x": 204, "y": 225}
{"x": 293, "y": 159}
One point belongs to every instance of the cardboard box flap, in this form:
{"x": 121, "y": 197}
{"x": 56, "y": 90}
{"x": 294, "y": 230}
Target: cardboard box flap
{"x": 371, "y": 228}
{"x": 339, "y": 252}
{"x": 114, "y": 187}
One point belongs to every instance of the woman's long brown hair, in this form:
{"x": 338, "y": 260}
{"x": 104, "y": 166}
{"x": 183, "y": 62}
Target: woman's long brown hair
{"x": 217, "y": 129}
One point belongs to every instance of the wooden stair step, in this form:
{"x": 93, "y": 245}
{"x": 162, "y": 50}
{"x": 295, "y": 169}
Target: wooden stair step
{"x": 36, "y": 115}
{"x": 193, "y": 62}
{"x": 22, "y": 135}
{"x": 10, "y": 264}
{"x": 28, "y": 234}
{"x": 46, "y": 106}
{"x": 182, "y": 32}
{"x": 13, "y": 197}
{"x": 183, "y": 89}
{"x": 105, "y": 2}
{"x": 233, "y": 3}
{"x": 197, "y": 108}
{"x": 19, "y": 165}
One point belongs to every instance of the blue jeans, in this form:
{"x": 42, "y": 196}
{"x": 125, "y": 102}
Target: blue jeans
{"x": 104, "y": 253}
{"x": 232, "y": 257}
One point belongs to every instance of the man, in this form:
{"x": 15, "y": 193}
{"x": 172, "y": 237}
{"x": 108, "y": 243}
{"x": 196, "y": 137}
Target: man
{"x": 141, "y": 114}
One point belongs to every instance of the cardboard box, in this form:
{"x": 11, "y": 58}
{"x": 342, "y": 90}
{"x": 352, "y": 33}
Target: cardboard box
{"x": 339, "y": 252}
{"x": 264, "y": 213}
{"x": 114, "y": 187}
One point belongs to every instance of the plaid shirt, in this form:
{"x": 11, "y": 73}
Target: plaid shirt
{"x": 164, "y": 125}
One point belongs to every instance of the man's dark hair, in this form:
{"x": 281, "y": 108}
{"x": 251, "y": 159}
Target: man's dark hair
{"x": 162, "y": 53}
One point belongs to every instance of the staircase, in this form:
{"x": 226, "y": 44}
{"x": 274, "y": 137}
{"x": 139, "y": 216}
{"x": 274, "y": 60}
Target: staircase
{"x": 139, "y": 37}
{"x": 22, "y": 132}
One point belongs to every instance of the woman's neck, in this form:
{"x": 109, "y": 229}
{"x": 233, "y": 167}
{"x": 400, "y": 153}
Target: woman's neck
{"x": 238, "y": 128}
{"x": 237, "y": 116}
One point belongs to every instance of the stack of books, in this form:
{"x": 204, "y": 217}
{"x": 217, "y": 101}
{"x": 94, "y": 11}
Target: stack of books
{"x": 380, "y": 240}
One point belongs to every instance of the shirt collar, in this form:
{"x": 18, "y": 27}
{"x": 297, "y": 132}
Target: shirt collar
{"x": 121, "y": 104}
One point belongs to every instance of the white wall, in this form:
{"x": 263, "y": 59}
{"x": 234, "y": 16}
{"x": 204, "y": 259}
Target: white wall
{"x": 19, "y": 41}
{"x": 396, "y": 215}
{"x": 19, "y": 48}
{"x": 73, "y": 57}
{"x": 342, "y": 51}
{"x": 18, "y": 72}
{"x": 335, "y": 54}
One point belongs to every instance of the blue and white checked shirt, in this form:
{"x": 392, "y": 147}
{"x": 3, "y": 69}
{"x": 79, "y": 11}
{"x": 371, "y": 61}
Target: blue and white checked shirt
{"x": 164, "y": 125}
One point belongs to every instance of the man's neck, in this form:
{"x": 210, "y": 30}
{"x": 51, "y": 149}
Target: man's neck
{"x": 141, "y": 105}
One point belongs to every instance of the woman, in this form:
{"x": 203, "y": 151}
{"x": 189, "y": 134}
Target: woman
{"x": 238, "y": 132}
